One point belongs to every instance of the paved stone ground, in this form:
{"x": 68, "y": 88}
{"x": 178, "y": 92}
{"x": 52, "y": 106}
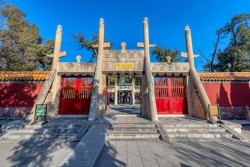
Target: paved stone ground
{"x": 123, "y": 109}
{"x": 179, "y": 154}
{"x": 246, "y": 131}
{"x": 34, "y": 152}
{"x": 88, "y": 149}
{"x": 181, "y": 120}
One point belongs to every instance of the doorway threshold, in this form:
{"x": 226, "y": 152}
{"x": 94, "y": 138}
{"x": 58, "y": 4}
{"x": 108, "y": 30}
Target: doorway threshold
{"x": 174, "y": 115}
{"x": 71, "y": 116}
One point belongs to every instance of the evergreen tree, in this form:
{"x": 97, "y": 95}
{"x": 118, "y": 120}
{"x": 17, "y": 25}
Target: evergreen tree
{"x": 236, "y": 55}
{"x": 88, "y": 45}
{"x": 161, "y": 54}
{"x": 21, "y": 46}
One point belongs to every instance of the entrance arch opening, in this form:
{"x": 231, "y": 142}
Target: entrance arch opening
{"x": 123, "y": 94}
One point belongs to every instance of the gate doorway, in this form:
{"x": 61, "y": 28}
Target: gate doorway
{"x": 123, "y": 94}
{"x": 75, "y": 95}
{"x": 170, "y": 94}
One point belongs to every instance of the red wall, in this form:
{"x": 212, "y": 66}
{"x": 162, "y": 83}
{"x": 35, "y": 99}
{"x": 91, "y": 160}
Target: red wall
{"x": 228, "y": 94}
{"x": 19, "y": 94}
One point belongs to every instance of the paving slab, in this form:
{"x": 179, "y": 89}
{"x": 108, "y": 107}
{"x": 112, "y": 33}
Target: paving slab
{"x": 179, "y": 154}
{"x": 88, "y": 149}
{"x": 246, "y": 131}
{"x": 33, "y": 152}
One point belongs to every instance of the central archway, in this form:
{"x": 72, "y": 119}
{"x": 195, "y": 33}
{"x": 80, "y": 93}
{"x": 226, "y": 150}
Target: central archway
{"x": 123, "y": 94}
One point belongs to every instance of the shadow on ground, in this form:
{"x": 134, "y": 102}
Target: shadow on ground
{"x": 182, "y": 154}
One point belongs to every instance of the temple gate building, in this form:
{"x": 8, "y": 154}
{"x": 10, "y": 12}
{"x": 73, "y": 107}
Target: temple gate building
{"x": 164, "y": 88}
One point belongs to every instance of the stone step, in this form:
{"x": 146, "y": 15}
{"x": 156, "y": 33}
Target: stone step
{"x": 200, "y": 135}
{"x": 200, "y": 139}
{"x": 133, "y": 136}
{"x": 194, "y": 129}
{"x": 48, "y": 130}
{"x": 45, "y": 136}
{"x": 189, "y": 125}
{"x": 136, "y": 125}
{"x": 51, "y": 125}
{"x": 137, "y": 129}
{"x": 56, "y": 125}
{"x": 132, "y": 132}
{"x": 16, "y": 136}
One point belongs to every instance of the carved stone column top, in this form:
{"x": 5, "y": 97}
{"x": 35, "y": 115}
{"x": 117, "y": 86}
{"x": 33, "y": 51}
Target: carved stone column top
{"x": 101, "y": 21}
{"x": 78, "y": 58}
{"x": 187, "y": 27}
{"x": 59, "y": 28}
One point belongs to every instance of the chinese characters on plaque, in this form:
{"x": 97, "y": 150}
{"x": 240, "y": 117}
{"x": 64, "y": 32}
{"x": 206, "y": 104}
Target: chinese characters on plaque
{"x": 123, "y": 66}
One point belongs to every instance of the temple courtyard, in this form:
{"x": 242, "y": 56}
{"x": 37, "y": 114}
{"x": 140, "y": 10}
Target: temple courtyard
{"x": 95, "y": 146}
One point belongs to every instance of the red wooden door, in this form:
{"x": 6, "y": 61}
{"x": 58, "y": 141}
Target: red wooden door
{"x": 170, "y": 95}
{"x": 75, "y": 95}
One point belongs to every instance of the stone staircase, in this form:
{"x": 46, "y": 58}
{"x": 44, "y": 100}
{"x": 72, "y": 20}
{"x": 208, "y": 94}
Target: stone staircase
{"x": 68, "y": 131}
{"x": 195, "y": 132}
{"x": 133, "y": 131}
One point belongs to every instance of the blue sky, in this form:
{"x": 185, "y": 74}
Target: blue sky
{"x": 123, "y": 21}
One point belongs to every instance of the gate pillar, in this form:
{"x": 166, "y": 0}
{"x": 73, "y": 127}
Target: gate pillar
{"x": 189, "y": 96}
{"x": 94, "y": 106}
{"x": 116, "y": 93}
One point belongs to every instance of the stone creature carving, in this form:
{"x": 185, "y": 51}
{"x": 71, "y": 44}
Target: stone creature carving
{"x": 123, "y": 44}
{"x": 78, "y": 59}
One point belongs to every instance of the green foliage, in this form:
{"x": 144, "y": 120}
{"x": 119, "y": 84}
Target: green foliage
{"x": 161, "y": 54}
{"x": 236, "y": 55}
{"x": 112, "y": 79}
{"x": 88, "y": 45}
{"x": 21, "y": 46}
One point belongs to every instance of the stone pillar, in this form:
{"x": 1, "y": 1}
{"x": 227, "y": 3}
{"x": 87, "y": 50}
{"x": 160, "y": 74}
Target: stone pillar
{"x": 189, "y": 96}
{"x": 116, "y": 93}
{"x": 57, "y": 48}
{"x": 133, "y": 92}
{"x": 98, "y": 72}
{"x": 143, "y": 93}
{"x": 102, "y": 95}
{"x": 197, "y": 82}
{"x": 148, "y": 70}
{"x": 56, "y": 58}
{"x": 56, "y": 95}
{"x": 189, "y": 46}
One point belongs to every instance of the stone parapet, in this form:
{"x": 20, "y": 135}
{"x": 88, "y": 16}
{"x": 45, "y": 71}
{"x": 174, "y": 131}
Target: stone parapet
{"x": 74, "y": 68}
{"x": 162, "y": 67}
